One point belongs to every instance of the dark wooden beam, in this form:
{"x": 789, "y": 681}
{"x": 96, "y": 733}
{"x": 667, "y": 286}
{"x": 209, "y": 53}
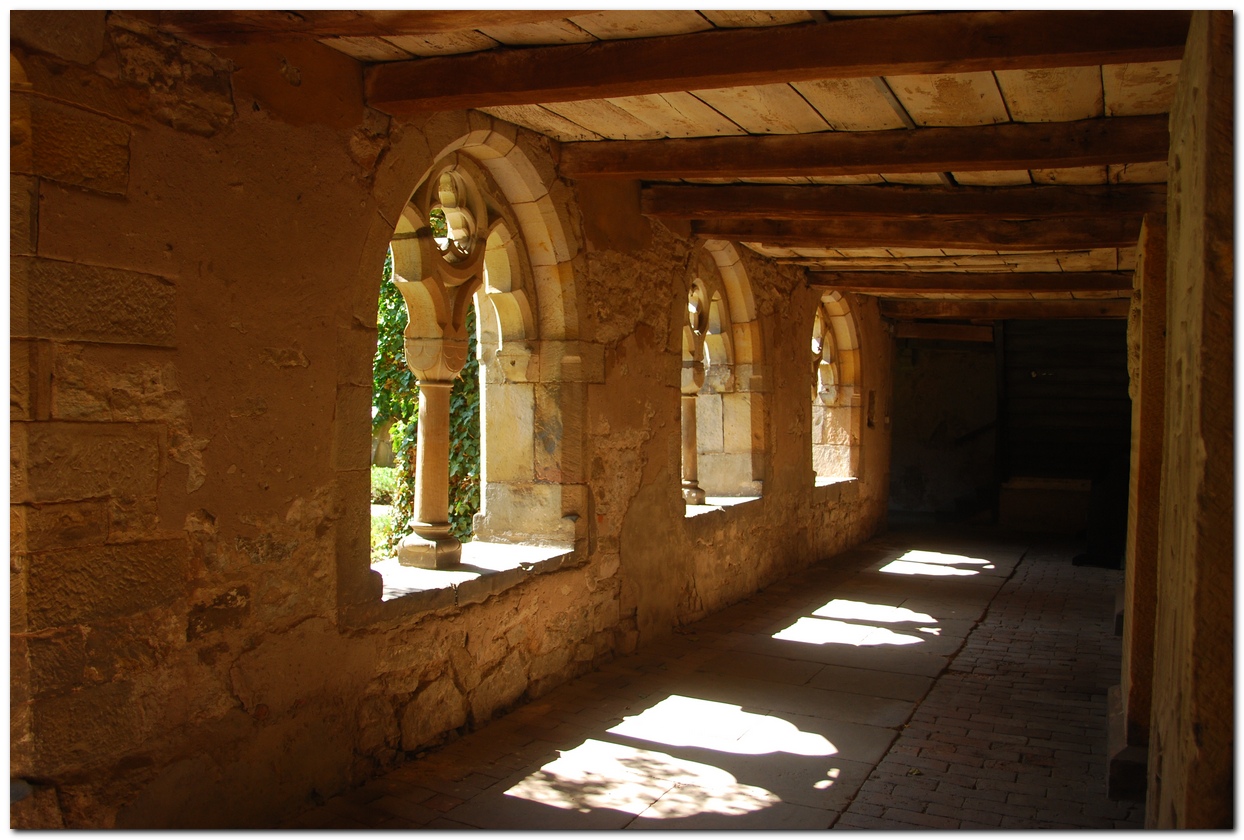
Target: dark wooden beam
{"x": 944, "y": 332}
{"x": 1012, "y": 146}
{"x": 882, "y": 232}
{"x": 958, "y": 42}
{"x": 811, "y": 203}
{"x": 1004, "y": 310}
{"x": 221, "y": 27}
{"x": 969, "y": 282}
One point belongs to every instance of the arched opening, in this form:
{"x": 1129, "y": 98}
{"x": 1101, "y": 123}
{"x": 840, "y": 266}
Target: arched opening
{"x": 728, "y": 399}
{"x": 835, "y": 391}
{"x": 479, "y": 236}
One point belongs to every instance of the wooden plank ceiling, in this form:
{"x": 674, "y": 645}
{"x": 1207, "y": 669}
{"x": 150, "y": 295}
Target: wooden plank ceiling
{"x": 963, "y": 165}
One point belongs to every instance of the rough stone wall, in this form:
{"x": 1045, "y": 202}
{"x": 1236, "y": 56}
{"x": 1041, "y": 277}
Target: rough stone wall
{"x": 189, "y": 392}
{"x": 1192, "y": 737}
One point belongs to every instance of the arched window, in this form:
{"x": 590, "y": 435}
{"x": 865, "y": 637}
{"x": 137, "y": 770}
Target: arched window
{"x": 835, "y": 390}
{"x": 722, "y": 380}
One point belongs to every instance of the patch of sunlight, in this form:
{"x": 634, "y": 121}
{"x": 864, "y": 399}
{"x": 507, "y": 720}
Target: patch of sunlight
{"x": 937, "y": 558}
{"x": 839, "y": 608}
{"x": 679, "y": 721}
{"x": 827, "y": 631}
{"x": 826, "y": 784}
{"x": 598, "y": 774}
{"x": 903, "y": 567}
{"x": 932, "y": 631}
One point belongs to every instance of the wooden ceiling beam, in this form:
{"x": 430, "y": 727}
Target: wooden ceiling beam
{"x": 1008, "y": 146}
{"x": 221, "y": 28}
{"x": 954, "y": 42}
{"x": 1004, "y": 310}
{"x": 811, "y": 203}
{"x": 969, "y": 282}
{"x": 944, "y": 332}
{"x": 880, "y": 232}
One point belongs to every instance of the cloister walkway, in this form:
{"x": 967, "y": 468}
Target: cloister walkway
{"x": 939, "y": 679}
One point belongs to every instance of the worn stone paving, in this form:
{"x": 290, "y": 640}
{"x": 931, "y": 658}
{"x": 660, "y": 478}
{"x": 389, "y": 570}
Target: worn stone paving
{"x": 923, "y": 680}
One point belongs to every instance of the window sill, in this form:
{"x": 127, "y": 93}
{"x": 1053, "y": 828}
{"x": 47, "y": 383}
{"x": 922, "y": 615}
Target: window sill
{"x": 718, "y": 503}
{"x": 486, "y": 569}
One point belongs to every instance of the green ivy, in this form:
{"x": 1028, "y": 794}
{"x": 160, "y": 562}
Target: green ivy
{"x": 395, "y": 396}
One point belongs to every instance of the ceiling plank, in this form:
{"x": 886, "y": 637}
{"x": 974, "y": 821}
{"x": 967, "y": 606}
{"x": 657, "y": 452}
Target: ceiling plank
{"x": 883, "y": 232}
{"x": 810, "y": 203}
{"x": 1003, "y": 310}
{"x": 1116, "y": 140}
{"x": 923, "y": 282}
{"x": 956, "y": 42}
{"x": 220, "y": 27}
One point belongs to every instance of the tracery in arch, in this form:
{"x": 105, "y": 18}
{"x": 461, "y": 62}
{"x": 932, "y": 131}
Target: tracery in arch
{"x": 729, "y": 404}
{"x": 835, "y": 390}
{"x": 459, "y": 244}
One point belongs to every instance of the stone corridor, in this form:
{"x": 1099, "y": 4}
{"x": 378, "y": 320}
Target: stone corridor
{"x": 920, "y": 680}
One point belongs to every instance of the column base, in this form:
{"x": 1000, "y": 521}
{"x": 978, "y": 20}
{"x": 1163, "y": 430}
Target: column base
{"x": 422, "y": 553}
{"x": 693, "y": 495}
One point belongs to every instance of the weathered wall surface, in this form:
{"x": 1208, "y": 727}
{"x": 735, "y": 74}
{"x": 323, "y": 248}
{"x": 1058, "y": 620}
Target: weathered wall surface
{"x": 1191, "y": 769}
{"x": 189, "y": 393}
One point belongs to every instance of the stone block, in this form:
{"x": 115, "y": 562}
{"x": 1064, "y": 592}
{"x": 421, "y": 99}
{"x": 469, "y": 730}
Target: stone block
{"x": 76, "y": 36}
{"x": 21, "y": 396}
{"x": 84, "y": 729}
{"x": 69, "y": 301}
{"x": 57, "y": 662}
{"x": 79, "y": 586}
{"x": 708, "y": 423}
{"x": 499, "y": 688}
{"x": 508, "y": 416}
{"x": 435, "y": 710}
{"x": 23, "y": 215}
{"x": 356, "y": 350}
{"x": 49, "y": 527}
{"x": 739, "y": 433}
{"x": 78, "y": 147}
{"x": 70, "y": 461}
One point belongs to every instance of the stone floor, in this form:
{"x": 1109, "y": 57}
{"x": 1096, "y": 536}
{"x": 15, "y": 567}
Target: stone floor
{"x": 921, "y": 680}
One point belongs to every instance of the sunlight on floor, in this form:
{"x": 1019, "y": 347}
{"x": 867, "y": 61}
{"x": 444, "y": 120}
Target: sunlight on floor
{"x": 679, "y": 721}
{"x": 839, "y": 608}
{"x": 598, "y": 774}
{"x": 827, "y": 631}
{"x": 934, "y": 564}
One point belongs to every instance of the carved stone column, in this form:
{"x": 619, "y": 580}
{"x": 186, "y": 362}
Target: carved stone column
{"x": 436, "y": 363}
{"x": 692, "y": 381}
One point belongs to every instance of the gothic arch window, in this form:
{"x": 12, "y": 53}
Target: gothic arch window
{"x": 835, "y": 390}
{"x": 722, "y": 379}
{"x": 459, "y": 245}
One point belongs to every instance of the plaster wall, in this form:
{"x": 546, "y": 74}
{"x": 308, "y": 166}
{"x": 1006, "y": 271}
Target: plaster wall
{"x": 196, "y": 242}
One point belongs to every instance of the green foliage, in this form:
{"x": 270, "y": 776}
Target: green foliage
{"x": 464, "y": 470}
{"x": 395, "y": 396}
{"x": 383, "y": 485}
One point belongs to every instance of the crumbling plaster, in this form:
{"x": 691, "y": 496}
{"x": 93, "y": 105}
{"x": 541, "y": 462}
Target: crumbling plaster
{"x": 195, "y": 267}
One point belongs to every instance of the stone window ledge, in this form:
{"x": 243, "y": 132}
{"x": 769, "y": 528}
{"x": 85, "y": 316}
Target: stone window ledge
{"x": 718, "y": 503}
{"x": 486, "y": 569}
{"x": 835, "y": 488}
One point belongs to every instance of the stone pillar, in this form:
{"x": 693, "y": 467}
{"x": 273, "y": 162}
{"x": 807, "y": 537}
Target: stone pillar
{"x": 436, "y": 363}
{"x": 692, "y": 381}
{"x": 1129, "y": 702}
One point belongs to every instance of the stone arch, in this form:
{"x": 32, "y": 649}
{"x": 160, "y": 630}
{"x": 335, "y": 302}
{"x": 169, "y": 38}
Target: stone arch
{"x": 729, "y": 407}
{"x": 836, "y": 389}
{"x": 523, "y": 286}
